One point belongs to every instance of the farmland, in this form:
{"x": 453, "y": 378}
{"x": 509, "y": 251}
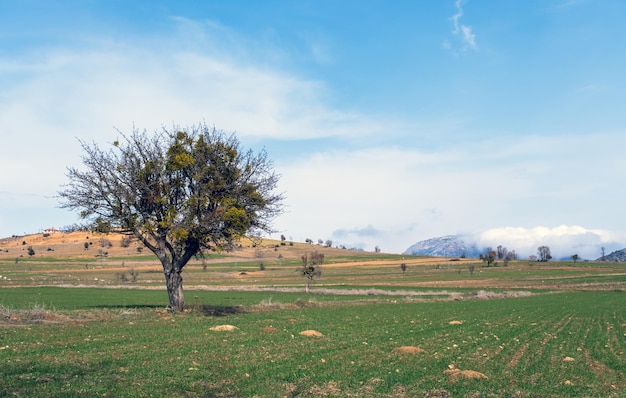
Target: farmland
{"x": 73, "y": 326}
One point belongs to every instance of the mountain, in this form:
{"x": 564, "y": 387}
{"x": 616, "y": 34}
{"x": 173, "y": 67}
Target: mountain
{"x": 444, "y": 246}
{"x": 618, "y": 256}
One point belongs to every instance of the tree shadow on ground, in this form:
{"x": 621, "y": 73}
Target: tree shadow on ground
{"x": 217, "y": 310}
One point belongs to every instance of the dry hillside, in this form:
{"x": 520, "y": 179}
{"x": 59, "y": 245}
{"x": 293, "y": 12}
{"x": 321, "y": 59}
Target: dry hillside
{"x": 87, "y": 245}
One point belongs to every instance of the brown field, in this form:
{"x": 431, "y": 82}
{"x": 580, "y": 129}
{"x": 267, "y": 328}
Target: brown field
{"x": 61, "y": 259}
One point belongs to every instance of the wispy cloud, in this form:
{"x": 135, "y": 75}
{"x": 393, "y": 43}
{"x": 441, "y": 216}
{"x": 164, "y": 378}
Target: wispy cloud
{"x": 464, "y": 32}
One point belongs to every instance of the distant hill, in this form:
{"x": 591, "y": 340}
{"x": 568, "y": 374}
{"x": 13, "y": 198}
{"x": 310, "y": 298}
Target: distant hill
{"x": 444, "y": 246}
{"x": 618, "y": 256}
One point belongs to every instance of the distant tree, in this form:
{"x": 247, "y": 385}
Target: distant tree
{"x": 125, "y": 242}
{"x": 311, "y": 267}
{"x": 574, "y": 258}
{"x": 320, "y": 242}
{"x": 488, "y": 257}
{"x": 509, "y": 256}
{"x": 543, "y": 252}
{"x": 602, "y": 251}
{"x": 282, "y": 238}
{"x": 532, "y": 258}
{"x": 403, "y": 267}
{"x": 309, "y": 241}
{"x": 328, "y": 243}
{"x": 377, "y": 249}
{"x": 179, "y": 192}
{"x": 86, "y": 245}
{"x": 502, "y": 252}
{"x": 471, "y": 269}
{"x": 101, "y": 225}
{"x": 31, "y": 251}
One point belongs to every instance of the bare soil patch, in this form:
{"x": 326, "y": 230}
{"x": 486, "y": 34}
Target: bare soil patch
{"x": 408, "y": 350}
{"x": 456, "y": 374}
{"x": 223, "y": 328}
{"x": 311, "y": 333}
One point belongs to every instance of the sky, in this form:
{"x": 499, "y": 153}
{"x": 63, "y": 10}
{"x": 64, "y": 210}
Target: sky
{"x": 389, "y": 122}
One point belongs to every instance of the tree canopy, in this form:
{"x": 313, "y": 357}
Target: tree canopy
{"x": 180, "y": 192}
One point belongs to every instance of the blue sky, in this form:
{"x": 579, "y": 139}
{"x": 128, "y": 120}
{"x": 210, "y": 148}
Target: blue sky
{"x": 390, "y": 122}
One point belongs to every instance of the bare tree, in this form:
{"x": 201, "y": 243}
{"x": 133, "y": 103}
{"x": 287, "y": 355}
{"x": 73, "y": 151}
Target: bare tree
{"x": 312, "y": 267}
{"x": 488, "y": 257}
{"x": 502, "y": 252}
{"x": 602, "y": 251}
{"x": 574, "y": 258}
{"x": 180, "y": 192}
{"x": 543, "y": 252}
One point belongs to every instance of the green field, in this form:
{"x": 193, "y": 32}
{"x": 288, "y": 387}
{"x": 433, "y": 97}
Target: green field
{"x": 76, "y": 328}
{"x": 107, "y": 342}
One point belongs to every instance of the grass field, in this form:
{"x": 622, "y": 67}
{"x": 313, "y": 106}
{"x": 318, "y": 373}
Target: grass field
{"x": 71, "y": 328}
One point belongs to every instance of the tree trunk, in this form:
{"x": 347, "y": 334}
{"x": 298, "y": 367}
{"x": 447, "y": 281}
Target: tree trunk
{"x": 174, "y": 283}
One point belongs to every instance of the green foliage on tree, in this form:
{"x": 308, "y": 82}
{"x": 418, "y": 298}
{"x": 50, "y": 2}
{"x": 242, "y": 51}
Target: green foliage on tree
{"x": 180, "y": 192}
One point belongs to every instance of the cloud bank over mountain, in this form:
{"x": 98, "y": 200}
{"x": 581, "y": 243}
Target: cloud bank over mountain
{"x": 563, "y": 240}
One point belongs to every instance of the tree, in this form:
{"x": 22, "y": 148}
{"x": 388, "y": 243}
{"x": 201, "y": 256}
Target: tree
{"x": 403, "y": 267}
{"x": 31, "y": 251}
{"x": 602, "y": 251}
{"x": 328, "y": 243}
{"x": 543, "y": 252}
{"x": 574, "y": 258}
{"x": 181, "y": 192}
{"x": 502, "y": 252}
{"x": 488, "y": 257}
{"x": 312, "y": 267}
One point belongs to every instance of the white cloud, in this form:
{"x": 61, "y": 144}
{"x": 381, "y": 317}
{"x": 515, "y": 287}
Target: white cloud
{"x": 407, "y": 194}
{"x": 563, "y": 240}
{"x": 60, "y": 94}
{"x": 468, "y": 38}
{"x": 83, "y": 93}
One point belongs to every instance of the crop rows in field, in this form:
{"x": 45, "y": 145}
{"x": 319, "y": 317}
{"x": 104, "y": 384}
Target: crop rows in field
{"x": 565, "y": 344}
